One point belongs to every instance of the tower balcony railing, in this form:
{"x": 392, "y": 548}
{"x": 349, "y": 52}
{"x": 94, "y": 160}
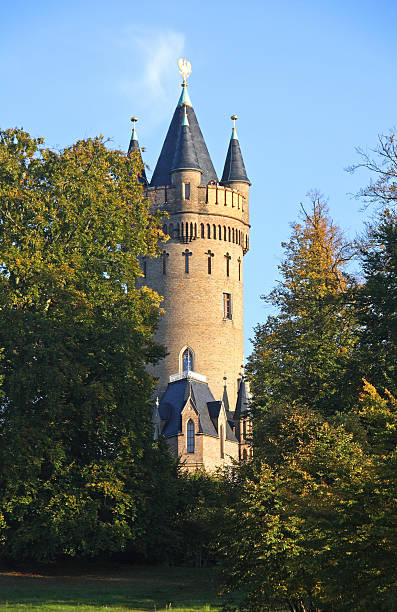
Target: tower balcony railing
{"x": 188, "y": 374}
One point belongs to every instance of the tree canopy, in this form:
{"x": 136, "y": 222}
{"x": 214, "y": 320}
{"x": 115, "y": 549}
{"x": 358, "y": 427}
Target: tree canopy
{"x": 75, "y": 432}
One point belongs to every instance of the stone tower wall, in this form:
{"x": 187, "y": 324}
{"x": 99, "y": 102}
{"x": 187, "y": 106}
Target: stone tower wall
{"x": 212, "y": 218}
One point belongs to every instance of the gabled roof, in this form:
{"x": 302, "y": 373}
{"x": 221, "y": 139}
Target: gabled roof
{"x": 174, "y": 400}
{"x": 165, "y": 162}
{"x": 234, "y": 169}
{"x": 134, "y": 146}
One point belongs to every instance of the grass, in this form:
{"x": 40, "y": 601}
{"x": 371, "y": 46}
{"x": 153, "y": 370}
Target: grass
{"x": 117, "y": 589}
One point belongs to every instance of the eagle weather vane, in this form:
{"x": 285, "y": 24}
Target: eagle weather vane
{"x": 185, "y": 68}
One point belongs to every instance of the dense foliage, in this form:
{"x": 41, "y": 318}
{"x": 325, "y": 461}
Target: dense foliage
{"x": 77, "y": 460}
{"x": 316, "y": 517}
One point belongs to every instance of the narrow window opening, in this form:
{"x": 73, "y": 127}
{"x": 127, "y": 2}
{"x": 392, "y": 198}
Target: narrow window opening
{"x": 222, "y": 450}
{"x": 190, "y": 436}
{"x": 227, "y": 306}
{"x": 219, "y": 232}
{"x": 214, "y": 231}
{"x": 202, "y": 230}
{"x": 224, "y": 233}
{"x": 229, "y": 233}
{"x": 165, "y": 257}
{"x": 208, "y": 230}
{"x": 228, "y": 258}
{"x": 210, "y": 256}
{"x": 186, "y": 254}
{"x": 244, "y": 454}
{"x": 186, "y": 187}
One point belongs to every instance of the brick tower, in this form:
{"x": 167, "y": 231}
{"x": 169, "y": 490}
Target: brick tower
{"x": 200, "y": 276}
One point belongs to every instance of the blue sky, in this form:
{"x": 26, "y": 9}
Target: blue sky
{"x": 310, "y": 81}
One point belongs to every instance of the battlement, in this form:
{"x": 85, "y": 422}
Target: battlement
{"x": 208, "y": 199}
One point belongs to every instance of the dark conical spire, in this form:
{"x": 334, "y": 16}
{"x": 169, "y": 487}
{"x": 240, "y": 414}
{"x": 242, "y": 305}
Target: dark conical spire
{"x": 165, "y": 162}
{"x": 234, "y": 169}
{"x": 243, "y": 401}
{"x": 185, "y": 157}
{"x": 225, "y": 398}
{"x": 134, "y": 146}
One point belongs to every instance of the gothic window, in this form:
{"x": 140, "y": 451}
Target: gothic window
{"x": 202, "y": 230}
{"x": 221, "y": 441}
{"x": 190, "y": 436}
{"x": 187, "y": 360}
{"x": 227, "y": 305}
{"x": 186, "y": 254}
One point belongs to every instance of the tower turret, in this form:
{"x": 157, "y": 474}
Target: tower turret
{"x": 234, "y": 174}
{"x": 134, "y": 146}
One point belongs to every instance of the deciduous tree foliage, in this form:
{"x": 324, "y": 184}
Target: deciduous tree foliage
{"x": 301, "y": 354}
{"x": 76, "y": 450}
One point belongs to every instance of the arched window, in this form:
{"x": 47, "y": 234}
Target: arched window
{"x": 224, "y": 233}
{"x": 191, "y": 231}
{"x": 208, "y": 230}
{"x": 229, "y": 232}
{"x": 222, "y": 451}
{"x": 219, "y": 232}
{"x": 195, "y": 230}
{"x": 214, "y": 231}
{"x": 202, "y": 230}
{"x": 187, "y": 231}
{"x": 233, "y": 235}
{"x": 187, "y": 360}
{"x": 190, "y": 436}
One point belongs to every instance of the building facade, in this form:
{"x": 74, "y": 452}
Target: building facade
{"x": 201, "y": 389}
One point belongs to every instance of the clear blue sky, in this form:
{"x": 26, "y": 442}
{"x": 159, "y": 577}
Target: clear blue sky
{"x": 309, "y": 81}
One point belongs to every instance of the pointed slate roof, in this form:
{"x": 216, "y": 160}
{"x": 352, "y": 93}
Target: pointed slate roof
{"x": 243, "y": 401}
{"x": 134, "y": 146}
{"x": 185, "y": 157}
{"x": 165, "y": 162}
{"x": 234, "y": 169}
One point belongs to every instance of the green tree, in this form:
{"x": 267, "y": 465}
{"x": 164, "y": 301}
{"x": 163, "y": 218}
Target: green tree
{"x": 376, "y": 303}
{"x": 76, "y": 449}
{"x": 301, "y": 354}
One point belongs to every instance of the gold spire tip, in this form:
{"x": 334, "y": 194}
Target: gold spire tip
{"x": 134, "y": 119}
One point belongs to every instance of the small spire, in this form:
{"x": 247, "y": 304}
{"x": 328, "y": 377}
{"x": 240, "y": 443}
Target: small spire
{"x": 234, "y": 170}
{"x": 134, "y": 146}
{"x": 185, "y": 120}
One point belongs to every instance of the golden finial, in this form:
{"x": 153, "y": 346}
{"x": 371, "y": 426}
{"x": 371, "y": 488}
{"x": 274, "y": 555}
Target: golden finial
{"x": 134, "y": 119}
{"x": 234, "y": 118}
{"x": 185, "y": 69}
